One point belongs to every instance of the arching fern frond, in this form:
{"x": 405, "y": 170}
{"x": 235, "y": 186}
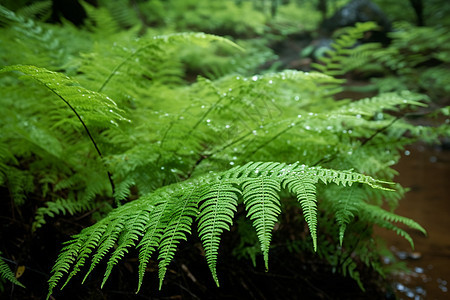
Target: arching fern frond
{"x": 385, "y": 218}
{"x": 90, "y": 107}
{"x": 159, "y": 221}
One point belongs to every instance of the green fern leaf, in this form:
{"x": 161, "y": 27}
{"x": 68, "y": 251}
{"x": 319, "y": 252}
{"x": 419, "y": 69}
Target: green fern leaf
{"x": 384, "y": 218}
{"x": 164, "y": 218}
{"x": 182, "y": 212}
{"x": 216, "y": 212}
{"x": 6, "y": 273}
{"x": 154, "y": 231}
{"x": 90, "y": 107}
{"x": 262, "y": 201}
{"x": 305, "y": 190}
{"x": 134, "y": 228}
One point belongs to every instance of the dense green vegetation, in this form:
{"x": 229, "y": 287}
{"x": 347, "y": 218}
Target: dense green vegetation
{"x": 148, "y": 123}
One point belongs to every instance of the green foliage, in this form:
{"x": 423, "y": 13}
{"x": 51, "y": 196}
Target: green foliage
{"x": 128, "y": 121}
{"x": 163, "y": 218}
{"x": 7, "y": 274}
{"x": 417, "y": 59}
{"x": 333, "y": 61}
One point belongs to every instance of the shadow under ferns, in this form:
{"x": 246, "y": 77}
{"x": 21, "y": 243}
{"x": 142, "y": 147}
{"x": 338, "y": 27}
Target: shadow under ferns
{"x": 118, "y": 126}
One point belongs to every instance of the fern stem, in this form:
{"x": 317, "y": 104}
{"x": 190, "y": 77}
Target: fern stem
{"x": 380, "y": 130}
{"x": 267, "y": 142}
{"x": 113, "y": 188}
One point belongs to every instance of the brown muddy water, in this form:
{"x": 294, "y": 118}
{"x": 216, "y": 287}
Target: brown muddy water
{"x": 425, "y": 170}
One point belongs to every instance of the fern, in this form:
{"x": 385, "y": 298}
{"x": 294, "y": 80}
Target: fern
{"x": 162, "y": 224}
{"x": 89, "y": 107}
{"x": 7, "y": 274}
{"x": 166, "y": 164}
{"x": 333, "y": 61}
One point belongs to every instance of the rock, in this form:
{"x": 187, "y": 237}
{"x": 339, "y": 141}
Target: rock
{"x": 358, "y": 11}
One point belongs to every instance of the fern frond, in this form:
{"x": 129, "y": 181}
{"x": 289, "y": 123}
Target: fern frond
{"x": 157, "y": 43}
{"x": 164, "y": 218}
{"x": 89, "y": 106}
{"x": 332, "y": 63}
{"x": 182, "y": 213}
{"x": 6, "y": 273}
{"x": 154, "y": 231}
{"x": 262, "y": 201}
{"x": 58, "y": 207}
{"x": 386, "y": 101}
{"x": 305, "y": 189}
{"x": 134, "y": 227}
{"x": 385, "y": 218}
{"x": 216, "y": 212}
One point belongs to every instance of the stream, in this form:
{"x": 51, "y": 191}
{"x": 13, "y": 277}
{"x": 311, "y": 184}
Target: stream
{"x": 425, "y": 170}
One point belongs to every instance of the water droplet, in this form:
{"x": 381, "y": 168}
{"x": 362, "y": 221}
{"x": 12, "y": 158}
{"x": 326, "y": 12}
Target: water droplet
{"x": 350, "y": 152}
{"x": 418, "y": 270}
{"x": 329, "y": 127}
{"x": 308, "y": 127}
{"x": 420, "y": 290}
{"x": 410, "y": 294}
{"x": 181, "y": 118}
{"x": 310, "y": 114}
{"x": 254, "y": 78}
{"x": 407, "y": 152}
{"x": 299, "y": 116}
{"x": 255, "y": 132}
{"x": 231, "y": 162}
{"x": 162, "y": 168}
{"x": 270, "y": 81}
{"x": 358, "y": 116}
{"x": 203, "y": 106}
{"x": 297, "y": 98}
